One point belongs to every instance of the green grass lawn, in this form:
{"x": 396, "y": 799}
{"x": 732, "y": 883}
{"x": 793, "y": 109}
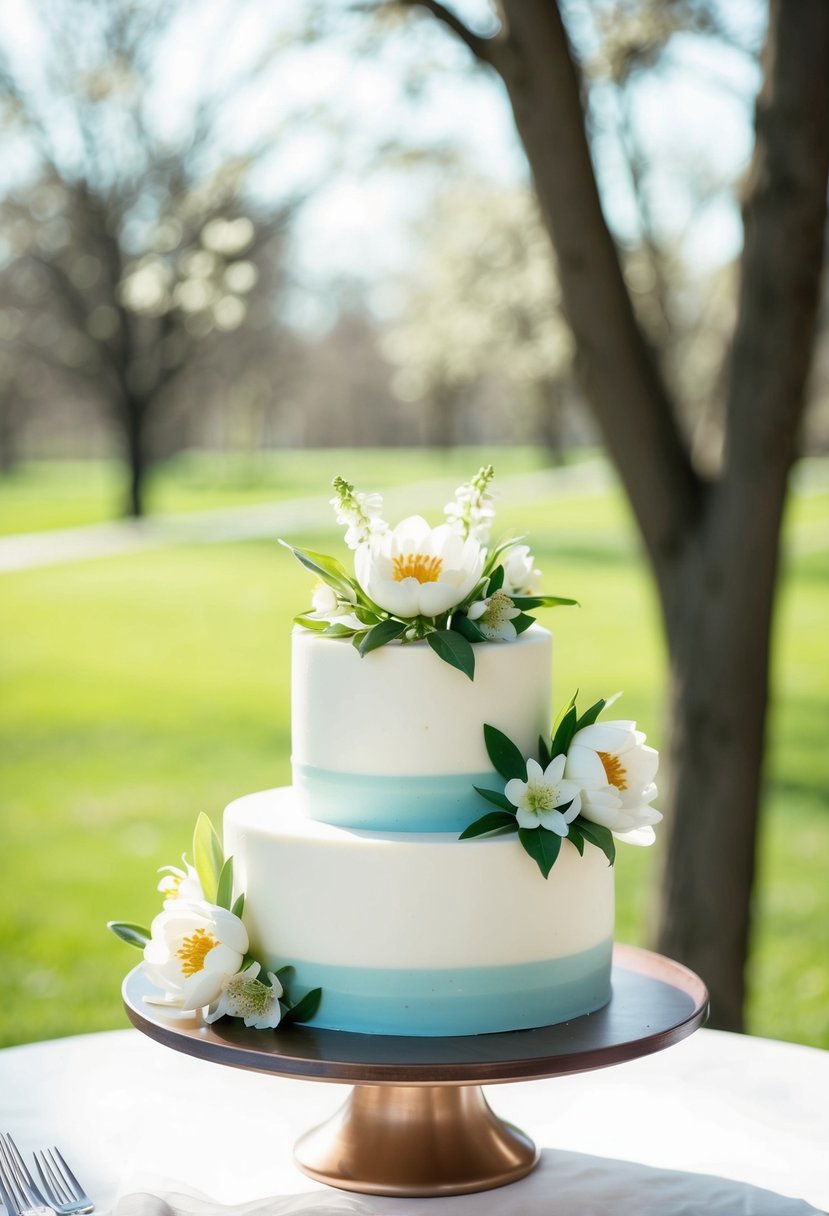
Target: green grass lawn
{"x": 139, "y": 691}
{"x": 39, "y": 496}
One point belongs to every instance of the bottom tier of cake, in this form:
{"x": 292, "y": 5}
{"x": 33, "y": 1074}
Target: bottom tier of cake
{"x": 421, "y": 934}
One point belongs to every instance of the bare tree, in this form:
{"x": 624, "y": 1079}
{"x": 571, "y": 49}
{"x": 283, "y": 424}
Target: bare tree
{"x": 133, "y": 248}
{"x": 712, "y": 541}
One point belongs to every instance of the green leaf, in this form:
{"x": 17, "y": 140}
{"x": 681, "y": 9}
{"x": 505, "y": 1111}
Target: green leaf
{"x": 338, "y": 630}
{"x": 285, "y": 974}
{"x": 494, "y": 821}
{"x": 542, "y": 845}
{"x": 544, "y": 756}
{"x": 468, "y": 629}
{"x": 133, "y": 935}
{"x": 542, "y": 601}
{"x": 575, "y": 836}
{"x": 590, "y": 715}
{"x": 366, "y": 616}
{"x": 564, "y": 733}
{"x": 453, "y": 649}
{"x": 224, "y": 887}
{"x": 305, "y": 1009}
{"x": 239, "y": 906}
{"x": 522, "y": 622}
{"x": 208, "y": 856}
{"x": 327, "y": 568}
{"x": 598, "y": 835}
{"x": 496, "y": 580}
{"x": 358, "y": 639}
{"x": 381, "y": 634}
{"x": 496, "y": 797}
{"x": 504, "y": 755}
{"x": 316, "y": 623}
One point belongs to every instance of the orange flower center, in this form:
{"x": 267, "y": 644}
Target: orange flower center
{"x": 193, "y": 951}
{"x": 417, "y": 565}
{"x": 614, "y": 770}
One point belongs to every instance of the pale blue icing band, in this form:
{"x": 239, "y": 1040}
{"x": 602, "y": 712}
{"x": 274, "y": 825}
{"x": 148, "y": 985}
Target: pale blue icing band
{"x": 445, "y": 803}
{"x": 458, "y": 1001}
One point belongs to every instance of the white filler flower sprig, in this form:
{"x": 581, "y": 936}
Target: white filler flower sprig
{"x": 413, "y": 582}
{"x": 593, "y": 782}
{"x": 196, "y": 951}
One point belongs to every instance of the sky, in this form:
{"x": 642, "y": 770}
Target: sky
{"x": 693, "y": 117}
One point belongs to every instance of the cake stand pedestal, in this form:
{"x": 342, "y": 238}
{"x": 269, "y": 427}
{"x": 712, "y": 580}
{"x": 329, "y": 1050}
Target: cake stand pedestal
{"x": 417, "y": 1122}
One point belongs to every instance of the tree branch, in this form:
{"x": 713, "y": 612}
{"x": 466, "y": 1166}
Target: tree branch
{"x": 484, "y": 49}
{"x": 785, "y": 214}
{"x": 618, "y": 368}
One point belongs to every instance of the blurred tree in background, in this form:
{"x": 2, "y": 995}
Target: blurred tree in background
{"x": 482, "y": 303}
{"x": 134, "y": 248}
{"x": 712, "y": 536}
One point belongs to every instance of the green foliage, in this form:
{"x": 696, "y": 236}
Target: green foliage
{"x": 495, "y": 821}
{"x": 505, "y": 756}
{"x": 454, "y": 650}
{"x": 133, "y": 935}
{"x": 542, "y": 845}
{"x": 380, "y": 635}
{"x": 208, "y": 857}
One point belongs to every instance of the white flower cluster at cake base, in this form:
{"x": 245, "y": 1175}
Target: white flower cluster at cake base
{"x": 592, "y": 783}
{"x": 446, "y": 585}
{"x": 196, "y": 950}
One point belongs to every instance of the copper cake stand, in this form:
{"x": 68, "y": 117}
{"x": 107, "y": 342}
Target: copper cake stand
{"x": 416, "y": 1122}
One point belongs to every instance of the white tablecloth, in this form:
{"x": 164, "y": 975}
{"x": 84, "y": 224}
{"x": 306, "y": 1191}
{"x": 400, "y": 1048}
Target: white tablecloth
{"x": 679, "y": 1133}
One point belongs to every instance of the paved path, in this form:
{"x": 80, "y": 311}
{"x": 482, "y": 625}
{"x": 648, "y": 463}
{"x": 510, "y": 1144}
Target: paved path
{"x": 265, "y": 521}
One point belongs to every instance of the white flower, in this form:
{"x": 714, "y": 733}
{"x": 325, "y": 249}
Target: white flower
{"x": 520, "y": 574}
{"x": 494, "y": 616}
{"x": 361, "y": 514}
{"x": 471, "y": 512}
{"x": 245, "y": 996}
{"x": 194, "y": 948}
{"x": 538, "y": 798}
{"x": 416, "y": 570}
{"x": 615, "y": 771}
{"x": 180, "y": 884}
{"x": 329, "y": 607}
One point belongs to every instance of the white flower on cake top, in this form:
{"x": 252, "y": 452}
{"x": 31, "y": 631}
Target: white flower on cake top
{"x": 615, "y": 770}
{"x": 415, "y": 570}
{"x": 444, "y": 585}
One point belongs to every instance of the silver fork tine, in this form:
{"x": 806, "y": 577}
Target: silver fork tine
{"x": 55, "y": 1189}
{"x": 21, "y": 1169}
{"x": 20, "y": 1199}
{"x": 52, "y": 1186}
{"x": 79, "y": 1192}
{"x": 60, "y": 1185}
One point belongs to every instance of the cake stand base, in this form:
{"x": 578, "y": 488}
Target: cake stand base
{"x": 417, "y": 1123}
{"x": 416, "y": 1141}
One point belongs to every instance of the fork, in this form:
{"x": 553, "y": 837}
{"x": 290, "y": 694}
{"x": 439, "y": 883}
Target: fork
{"x": 60, "y": 1186}
{"x": 19, "y": 1198}
{"x": 60, "y": 1190}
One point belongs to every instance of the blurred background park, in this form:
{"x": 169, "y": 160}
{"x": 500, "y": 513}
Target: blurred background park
{"x": 245, "y": 247}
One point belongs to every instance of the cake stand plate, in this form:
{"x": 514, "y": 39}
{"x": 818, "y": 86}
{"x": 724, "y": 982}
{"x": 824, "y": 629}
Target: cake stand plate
{"x": 417, "y": 1122}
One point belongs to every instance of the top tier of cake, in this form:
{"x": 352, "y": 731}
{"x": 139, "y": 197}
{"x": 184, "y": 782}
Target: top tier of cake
{"x": 394, "y": 741}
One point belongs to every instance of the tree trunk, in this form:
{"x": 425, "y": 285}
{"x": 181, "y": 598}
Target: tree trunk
{"x": 713, "y": 547}
{"x": 719, "y": 617}
{"x": 134, "y": 423}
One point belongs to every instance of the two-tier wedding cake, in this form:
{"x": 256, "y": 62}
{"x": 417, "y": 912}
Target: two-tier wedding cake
{"x": 442, "y": 862}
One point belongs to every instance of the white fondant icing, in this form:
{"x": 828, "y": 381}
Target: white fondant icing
{"x": 402, "y": 711}
{"x": 371, "y": 899}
